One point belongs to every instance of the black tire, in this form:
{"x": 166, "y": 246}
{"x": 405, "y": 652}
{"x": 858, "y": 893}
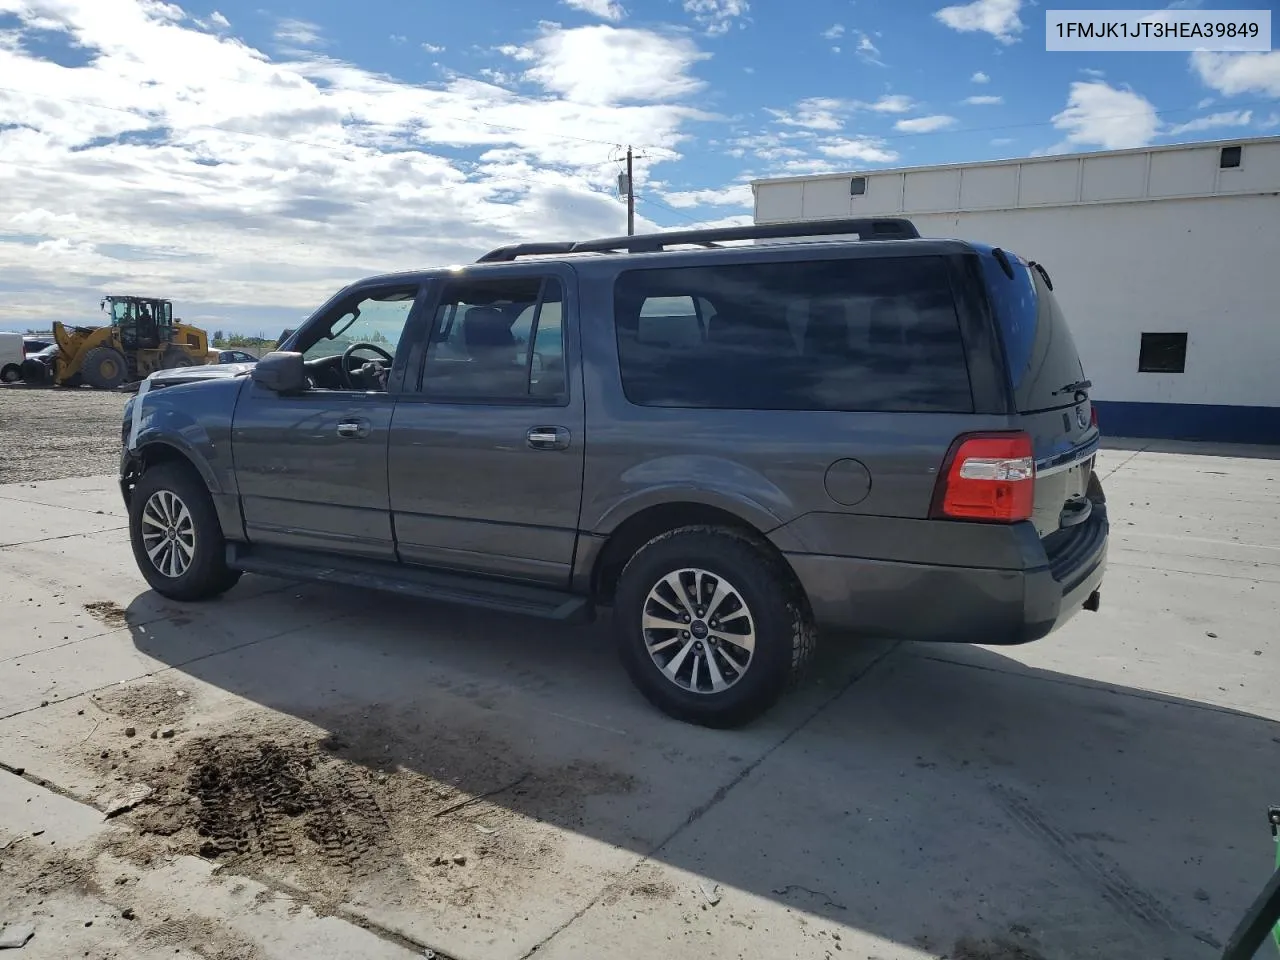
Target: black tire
{"x": 783, "y": 629}
{"x": 206, "y": 574}
{"x": 34, "y": 373}
{"x": 104, "y": 368}
{"x": 11, "y": 373}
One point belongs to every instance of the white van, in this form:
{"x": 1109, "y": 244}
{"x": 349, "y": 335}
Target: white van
{"x": 11, "y": 357}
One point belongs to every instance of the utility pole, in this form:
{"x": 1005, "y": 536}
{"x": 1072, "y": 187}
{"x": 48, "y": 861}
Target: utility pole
{"x": 631, "y": 197}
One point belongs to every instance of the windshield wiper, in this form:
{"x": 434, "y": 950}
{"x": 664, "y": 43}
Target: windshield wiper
{"x": 1078, "y": 387}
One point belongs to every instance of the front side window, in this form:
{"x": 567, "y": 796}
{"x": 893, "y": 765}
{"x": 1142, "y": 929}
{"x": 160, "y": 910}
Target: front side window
{"x": 873, "y": 334}
{"x": 497, "y": 340}
{"x": 376, "y": 318}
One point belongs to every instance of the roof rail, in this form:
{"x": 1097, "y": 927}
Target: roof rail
{"x": 885, "y": 228}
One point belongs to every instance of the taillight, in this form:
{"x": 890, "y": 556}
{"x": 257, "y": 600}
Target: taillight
{"x": 989, "y": 476}
{"x": 1093, "y": 416}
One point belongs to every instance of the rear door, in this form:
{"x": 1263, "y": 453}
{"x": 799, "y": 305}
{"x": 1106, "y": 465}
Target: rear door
{"x": 1051, "y": 391}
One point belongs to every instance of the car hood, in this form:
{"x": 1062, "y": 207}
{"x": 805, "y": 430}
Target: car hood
{"x": 211, "y": 371}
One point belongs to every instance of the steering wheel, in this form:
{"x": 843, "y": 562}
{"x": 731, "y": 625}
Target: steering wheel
{"x": 344, "y": 367}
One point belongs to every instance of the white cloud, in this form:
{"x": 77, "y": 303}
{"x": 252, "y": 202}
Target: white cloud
{"x": 738, "y": 195}
{"x": 996, "y": 17}
{"x": 717, "y": 16}
{"x": 866, "y": 149}
{"x": 867, "y": 50}
{"x": 219, "y": 20}
{"x": 607, "y": 65}
{"x": 1100, "y": 115}
{"x": 980, "y": 77}
{"x": 986, "y": 101}
{"x": 1091, "y": 72}
{"x": 1001, "y": 141}
{"x": 925, "y": 124}
{"x": 829, "y": 113}
{"x": 1205, "y": 103}
{"x": 891, "y": 103}
{"x": 1271, "y": 121}
{"x": 301, "y": 34}
{"x": 1232, "y": 118}
{"x": 432, "y": 48}
{"x": 1235, "y": 73}
{"x": 808, "y": 166}
{"x": 189, "y": 164}
{"x": 834, "y": 32}
{"x": 605, "y": 9}
{"x": 814, "y": 113}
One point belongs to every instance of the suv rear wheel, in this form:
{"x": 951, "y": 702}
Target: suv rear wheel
{"x": 712, "y": 629}
{"x": 177, "y": 540}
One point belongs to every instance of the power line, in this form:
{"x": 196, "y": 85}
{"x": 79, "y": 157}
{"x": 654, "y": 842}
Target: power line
{"x": 670, "y": 209}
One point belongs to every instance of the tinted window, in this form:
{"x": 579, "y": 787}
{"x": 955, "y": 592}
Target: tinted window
{"x": 1039, "y": 349}
{"x": 864, "y": 334}
{"x": 497, "y": 340}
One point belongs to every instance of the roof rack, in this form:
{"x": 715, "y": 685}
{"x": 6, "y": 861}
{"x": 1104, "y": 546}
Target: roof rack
{"x": 888, "y": 228}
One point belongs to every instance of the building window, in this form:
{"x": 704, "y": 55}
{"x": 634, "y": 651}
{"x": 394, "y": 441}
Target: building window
{"x": 1230, "y": 158}
{"x": 1163, "y": 353}
{"x": 857, "y": 186}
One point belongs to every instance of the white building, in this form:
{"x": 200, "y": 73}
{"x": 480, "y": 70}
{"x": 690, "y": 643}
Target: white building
{"x": 1166, "y": 261}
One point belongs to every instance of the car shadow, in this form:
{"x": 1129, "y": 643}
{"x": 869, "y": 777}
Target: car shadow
{"x": 946, "y": 798}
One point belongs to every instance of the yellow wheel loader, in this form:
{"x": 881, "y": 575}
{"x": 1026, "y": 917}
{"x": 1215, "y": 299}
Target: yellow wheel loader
{"x": 143, "y": 337}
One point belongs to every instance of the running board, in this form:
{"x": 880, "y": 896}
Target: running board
{"x": 410, "y": 581}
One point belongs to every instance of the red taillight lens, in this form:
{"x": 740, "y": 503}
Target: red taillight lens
{"x": 1093, "y": 415}
{"x": 988, "y": 477}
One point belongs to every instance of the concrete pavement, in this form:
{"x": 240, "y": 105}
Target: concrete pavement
{"x": 1100, "y": 793}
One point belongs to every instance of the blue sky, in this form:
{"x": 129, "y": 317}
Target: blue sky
{"x": 246, "y": 157}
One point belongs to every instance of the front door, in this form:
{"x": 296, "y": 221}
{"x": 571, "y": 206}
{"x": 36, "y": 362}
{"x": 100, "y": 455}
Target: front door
{"x": 312, "y": 467}
{"x": 487, "y": 446}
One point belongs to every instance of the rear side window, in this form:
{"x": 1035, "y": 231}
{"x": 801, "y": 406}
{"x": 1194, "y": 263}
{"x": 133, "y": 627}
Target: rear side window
{"x": 874, "y": 334}
{"x": 1038, "y": 346}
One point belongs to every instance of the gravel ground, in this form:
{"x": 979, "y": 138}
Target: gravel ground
{"x": 46, "y": 434}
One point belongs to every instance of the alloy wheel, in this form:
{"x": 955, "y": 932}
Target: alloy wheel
{"x": 698, "y": 631}
{"x": 168, "y": 533}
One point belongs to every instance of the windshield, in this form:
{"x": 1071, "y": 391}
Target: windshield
{"x": 376, "y": 321}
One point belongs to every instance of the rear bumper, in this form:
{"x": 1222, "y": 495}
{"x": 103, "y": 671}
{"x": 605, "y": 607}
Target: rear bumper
{"x": 959, "y": 604}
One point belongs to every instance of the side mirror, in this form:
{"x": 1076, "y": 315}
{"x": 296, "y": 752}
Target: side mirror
{"x": 281, "y": 372}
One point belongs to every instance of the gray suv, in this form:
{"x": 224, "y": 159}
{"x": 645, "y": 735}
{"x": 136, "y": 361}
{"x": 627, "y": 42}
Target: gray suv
{"x": 730, "y": 444}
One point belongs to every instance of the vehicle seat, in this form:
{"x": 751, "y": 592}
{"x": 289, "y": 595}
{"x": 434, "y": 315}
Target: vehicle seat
{"x": 486, "y": 333}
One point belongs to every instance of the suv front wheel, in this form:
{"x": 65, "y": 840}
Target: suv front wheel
{"x": 712, "y": 628}
{"x": 177, "y": 540}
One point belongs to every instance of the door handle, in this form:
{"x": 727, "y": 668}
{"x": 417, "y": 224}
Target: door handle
{"x": 548, "y": 438}
{"x": 353, "y": 429}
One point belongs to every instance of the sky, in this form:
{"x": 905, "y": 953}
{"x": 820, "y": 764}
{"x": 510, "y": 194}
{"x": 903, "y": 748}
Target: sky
{"x": 247, "y": 158}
